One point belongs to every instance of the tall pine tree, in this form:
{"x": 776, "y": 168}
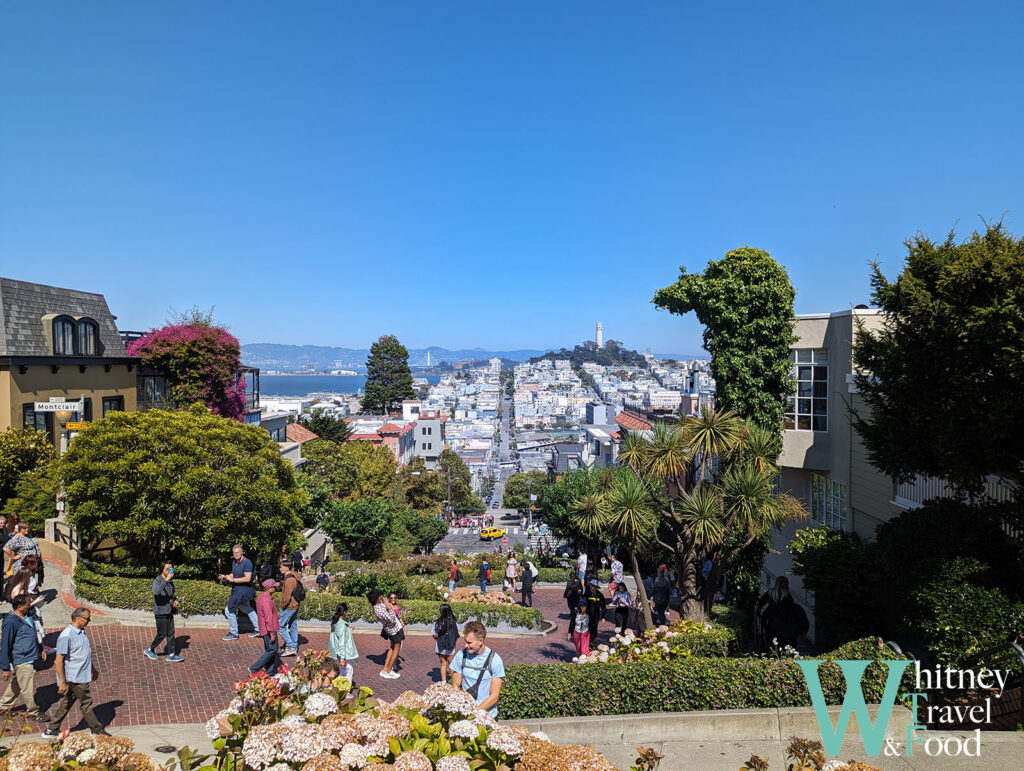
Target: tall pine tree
{"x": 388, "y": 379}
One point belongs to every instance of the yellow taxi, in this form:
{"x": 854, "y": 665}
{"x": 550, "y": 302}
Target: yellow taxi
{"x": 490, "y": 533}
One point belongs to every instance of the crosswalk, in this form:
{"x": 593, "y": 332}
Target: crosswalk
{"x": 476, "y": 531}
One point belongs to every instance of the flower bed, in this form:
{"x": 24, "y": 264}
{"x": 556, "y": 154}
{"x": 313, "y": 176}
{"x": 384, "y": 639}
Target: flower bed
{"x": 683, "y": 684}
{"x": 684, "y": 638}
{"x": 298, "y": 720}
{"x": 208, "y": 598}
{"x": 78, "y": 749}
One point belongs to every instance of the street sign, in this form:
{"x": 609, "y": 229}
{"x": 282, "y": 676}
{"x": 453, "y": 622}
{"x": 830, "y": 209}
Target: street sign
{"x": 76, "y": 425}
{"x": 532, "y": 507}
{"x": 60, "y": 406}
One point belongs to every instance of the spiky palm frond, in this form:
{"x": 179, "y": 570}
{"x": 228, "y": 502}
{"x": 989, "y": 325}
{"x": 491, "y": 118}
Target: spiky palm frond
{"x": 761, "y": 448}
{"x": 630, "y": 511}
{"x": 633, "y": 450}
{"x": 701, "y": 514}
{"x": 747, "y": 496}
{"x": 713, "y": 434}
{"x": 668, "y": 454}
{"x": 589, "y": 514}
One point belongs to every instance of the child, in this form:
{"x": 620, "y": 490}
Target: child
{"x": 581, "y": 630}
{"x": 341, "y": 645}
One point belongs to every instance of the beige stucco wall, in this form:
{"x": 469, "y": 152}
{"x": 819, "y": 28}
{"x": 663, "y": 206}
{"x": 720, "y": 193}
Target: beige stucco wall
{"x": 39, "y": 383}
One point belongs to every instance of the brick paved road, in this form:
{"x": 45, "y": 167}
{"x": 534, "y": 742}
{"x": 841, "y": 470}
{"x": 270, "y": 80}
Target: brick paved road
{"x": 133, "y": 690}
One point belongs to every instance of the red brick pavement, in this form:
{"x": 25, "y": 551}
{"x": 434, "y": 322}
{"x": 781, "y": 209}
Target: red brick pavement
{"x": 133, "y": 690}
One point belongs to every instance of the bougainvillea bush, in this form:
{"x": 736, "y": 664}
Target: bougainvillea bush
{"x": 299, "y": 719}
{"x": 201, "y": 363}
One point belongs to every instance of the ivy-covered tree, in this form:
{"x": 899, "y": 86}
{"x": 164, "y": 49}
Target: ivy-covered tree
{"x": 21, "y": 450}
{"x": 326, "y": 426}
{"x": 180, "y": 485}
{"x": 943, "y": 377}
{"x": 201, "y": 362}
{"x": 35, "y": 497}
{"x": 388, "y": 379}
{"x": 745, "y": 302}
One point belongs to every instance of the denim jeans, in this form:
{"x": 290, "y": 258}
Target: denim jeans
{"x": 483, "y": 587}
{"x": 233, "y": 618}
{"x": 271, "y": 658}
{"x": 289, "y": 623}
{"x": 451, "y": 586}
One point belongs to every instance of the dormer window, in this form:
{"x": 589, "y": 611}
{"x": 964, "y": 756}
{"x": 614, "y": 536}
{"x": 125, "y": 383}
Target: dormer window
{"x": 85, "y": 338}
{"x": 64, "y": 337}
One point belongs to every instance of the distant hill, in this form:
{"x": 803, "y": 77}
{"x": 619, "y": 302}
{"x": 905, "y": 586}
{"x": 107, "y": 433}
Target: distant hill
{"x": 323, "y": 358}
{"x": 611, "y": 354}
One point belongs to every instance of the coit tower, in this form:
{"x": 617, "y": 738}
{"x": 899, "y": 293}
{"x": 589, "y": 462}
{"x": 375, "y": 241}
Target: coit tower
{"x": 599, "y": 336}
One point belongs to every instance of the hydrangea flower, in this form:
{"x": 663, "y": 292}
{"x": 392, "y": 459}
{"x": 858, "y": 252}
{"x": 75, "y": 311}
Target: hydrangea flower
{"x": 453, "y": 763}
{"x": 320, "y": 704}
{"x": 463, "y": 729}
{"x": 505, "y": 739}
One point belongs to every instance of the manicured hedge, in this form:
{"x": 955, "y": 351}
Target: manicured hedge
{"x": 208, "y": 598}
{"x": 569, "y": 690}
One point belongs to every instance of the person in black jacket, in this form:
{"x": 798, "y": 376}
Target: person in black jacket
{"x": 596, "y": 604}
{"x": 526, "y": 584}
{"x": 782, "y": 620}
{"x": 573, "y": 594}
{"x": 662, "y": 596}
{"x": 164, "y": 604}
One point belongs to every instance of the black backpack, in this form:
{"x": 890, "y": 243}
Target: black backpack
{"x": 458, "y": 575}
{"x": 299, "y": 592}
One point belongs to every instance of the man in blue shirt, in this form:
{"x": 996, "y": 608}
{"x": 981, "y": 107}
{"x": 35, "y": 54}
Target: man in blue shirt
{"x": 477, "y": 669}
{"x": 242, "y": 593}
{"x": 75, "y": 671}
{"x": 19, "y": 649}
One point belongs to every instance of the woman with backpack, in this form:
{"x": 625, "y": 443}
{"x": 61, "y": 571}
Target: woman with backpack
{"x": 454, "y": 576}
{"x": 446, "y": 637}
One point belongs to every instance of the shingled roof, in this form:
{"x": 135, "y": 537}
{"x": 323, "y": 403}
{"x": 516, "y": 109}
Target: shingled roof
{"x": 23, "y": 305}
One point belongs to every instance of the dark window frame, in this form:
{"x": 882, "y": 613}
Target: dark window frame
{"x": 29, "y": 419}
{"x": 60, "y": 339}
{"x": 112, "y": 404}
{"x": 91, "y": 325}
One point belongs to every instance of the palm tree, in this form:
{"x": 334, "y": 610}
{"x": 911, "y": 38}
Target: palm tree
{"x": 631, "y": 517}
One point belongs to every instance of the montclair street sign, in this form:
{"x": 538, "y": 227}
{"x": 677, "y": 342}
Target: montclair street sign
{"x": 58, "y": 404}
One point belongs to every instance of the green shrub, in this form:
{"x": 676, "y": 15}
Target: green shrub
{"x": 208, "y": 598}
{"x": 959, "y": 617}
{"x": 567, "y": 690}
{"x": 739, "y": 622}
{"x": 838, "y": 568}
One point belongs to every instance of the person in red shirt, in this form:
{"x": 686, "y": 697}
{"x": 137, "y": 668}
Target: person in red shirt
{"x": 267, "y": 620}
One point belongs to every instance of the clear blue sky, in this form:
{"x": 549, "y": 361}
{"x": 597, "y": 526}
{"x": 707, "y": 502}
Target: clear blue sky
{"x": 501, "y": 174}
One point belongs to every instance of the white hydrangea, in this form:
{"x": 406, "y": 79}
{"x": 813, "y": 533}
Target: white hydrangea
{"x": 320, "y": 704}
{"x": 453, "y": 763}
{"x": 484, "y": 718}
{"x": 449, "y": 699}
{"x": 505, "y": 740}
{"x": 86, "y": 755}
{"x": 212, "y": 728}
{"x": 354, "y": 754}
{"x": 463, "y": 729}
{"x": 540, "y": 735}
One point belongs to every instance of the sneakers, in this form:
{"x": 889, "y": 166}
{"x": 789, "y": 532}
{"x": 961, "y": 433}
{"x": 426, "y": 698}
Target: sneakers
{"x": 148, "y": 653}
{"x": 176, "y": 657}
{"x": 289, "y": 652}
{"x": 253, "y": 634}
{"x": 229, "y": 637}
{"x": 390, "y": 675}
{"x": 51, "y": 732}
{"x": 42, "y": 718}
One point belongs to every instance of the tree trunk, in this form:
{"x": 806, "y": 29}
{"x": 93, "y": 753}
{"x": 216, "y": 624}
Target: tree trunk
{"x": 711, "y": 585}
{"x": 645, "y": 605}
{"x": 690, "y": 604}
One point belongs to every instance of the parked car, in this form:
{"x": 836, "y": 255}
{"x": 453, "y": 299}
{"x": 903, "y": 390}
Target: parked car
{"x": 494, "y": 505}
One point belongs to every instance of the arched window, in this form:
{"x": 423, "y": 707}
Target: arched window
{"x": 63, "y": 337}
{"x": 86, "y": 334}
